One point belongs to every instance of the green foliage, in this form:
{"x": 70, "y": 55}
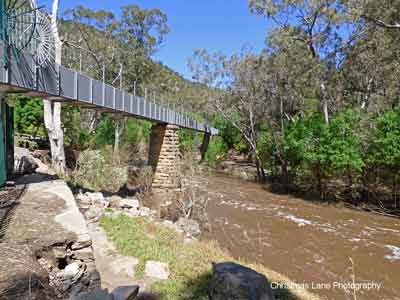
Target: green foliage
{"x": 341, "y": 145}
{"x": 217, "y": 150}
{"x": 136, "y": 132}
{"x": 75, "y": 135}
{"x": 189, "y": 140}
{"x": 105, "y": 133}
{"x": 385, "y": 146}
{"x": 230, "y": 134}
{"x": 28, "y": 115}
{"x": 267, "y": 151}
{"x": 310, "y": 146}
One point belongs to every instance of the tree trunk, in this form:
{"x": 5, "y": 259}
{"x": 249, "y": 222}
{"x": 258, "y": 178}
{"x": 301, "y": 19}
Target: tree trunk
{"x": 325, "y": 103}
{"x": 119, "y": 128}
{"x": 260, "y": 170}
{"x": 52, "y": 121}
{"x": 52, "y": 111}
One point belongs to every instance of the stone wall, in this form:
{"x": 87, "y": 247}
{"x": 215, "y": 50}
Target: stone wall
{"x": 165, "y": 158}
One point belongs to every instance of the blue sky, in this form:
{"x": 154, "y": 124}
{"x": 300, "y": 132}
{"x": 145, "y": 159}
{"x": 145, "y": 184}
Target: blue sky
{"x": 216, "y": 25}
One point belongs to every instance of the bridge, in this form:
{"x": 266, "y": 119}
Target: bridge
{"x": 57, "y": 83}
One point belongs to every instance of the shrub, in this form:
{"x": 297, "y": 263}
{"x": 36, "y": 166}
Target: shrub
{"x": 384, "y": 148}
{"x": 310, "y": 146}
{"x": 217, "y": 149}
{"x": 385, "y": 145}
{"x": 105, "y": 132}
{"x": 97, "y": 170}
{"x": 189, "y": 140}
{"x": 231, "y": 136}
{"x": 28, "y": 115}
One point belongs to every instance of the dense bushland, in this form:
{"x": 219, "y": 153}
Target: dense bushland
{"x": 355, "y": 156}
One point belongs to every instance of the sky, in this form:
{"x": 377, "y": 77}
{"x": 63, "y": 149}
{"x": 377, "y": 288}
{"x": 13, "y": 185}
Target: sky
{"x": 215, "y": 25}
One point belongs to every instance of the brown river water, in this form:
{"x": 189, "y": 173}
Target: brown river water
{"x": 310, "y": 243}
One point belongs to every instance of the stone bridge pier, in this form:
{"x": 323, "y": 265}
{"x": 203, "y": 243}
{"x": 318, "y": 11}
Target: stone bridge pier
{"x": 165, "y": 158}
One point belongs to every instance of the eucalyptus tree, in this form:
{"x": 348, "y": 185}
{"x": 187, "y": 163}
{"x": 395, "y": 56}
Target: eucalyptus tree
{"x": 372, "y": 65}
{"x": 318, "y": 25}
{"x": 244, "y": 92}
{"x": 384, "y": 14}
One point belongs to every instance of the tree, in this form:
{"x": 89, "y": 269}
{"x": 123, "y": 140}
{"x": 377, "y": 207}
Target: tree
{"x": 384, "y": 14}
{"x": 385, "y": 147}
{"x": 317, "y": 25}
{"x": 370, "y": 69}
{"x": 243, "y": 99}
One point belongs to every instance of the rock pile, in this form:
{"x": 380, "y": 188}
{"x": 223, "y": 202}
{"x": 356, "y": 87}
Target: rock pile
{"x": 95, "y": 205}
{"x": 71, "y": 268}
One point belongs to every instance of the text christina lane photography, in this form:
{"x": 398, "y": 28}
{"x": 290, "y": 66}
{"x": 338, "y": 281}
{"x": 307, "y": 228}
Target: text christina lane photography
{"x": 328, "y": 285}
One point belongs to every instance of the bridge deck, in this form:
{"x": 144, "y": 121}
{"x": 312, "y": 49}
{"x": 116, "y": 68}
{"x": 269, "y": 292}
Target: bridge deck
{"x": 59, "y": 83}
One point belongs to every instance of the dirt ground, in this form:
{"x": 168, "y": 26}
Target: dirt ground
{"x": 27, "y": 228}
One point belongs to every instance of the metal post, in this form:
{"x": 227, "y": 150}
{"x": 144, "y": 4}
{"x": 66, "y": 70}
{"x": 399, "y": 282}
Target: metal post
{"x": 3, "y": 146}
{"x": 3, "y": 30}
{"x": 131, "y": 104}
{"x": 91, "y": 90}
{"x": 145, "y": 102}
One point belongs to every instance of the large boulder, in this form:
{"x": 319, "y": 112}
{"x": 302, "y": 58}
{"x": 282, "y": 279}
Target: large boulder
{"x": 231, "y": 281}
{"x": 24, "y": 161}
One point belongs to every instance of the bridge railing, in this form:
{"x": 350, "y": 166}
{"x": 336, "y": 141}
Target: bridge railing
{"x": 59, "y": 83}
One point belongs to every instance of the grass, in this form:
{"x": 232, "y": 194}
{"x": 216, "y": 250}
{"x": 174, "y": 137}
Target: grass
{"x": 190, "y": 264}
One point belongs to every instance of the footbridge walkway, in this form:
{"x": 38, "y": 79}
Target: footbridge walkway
{"x": 57, "y": 83}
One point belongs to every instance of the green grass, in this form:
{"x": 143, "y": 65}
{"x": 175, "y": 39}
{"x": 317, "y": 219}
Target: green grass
{"x": 190, "y": 264}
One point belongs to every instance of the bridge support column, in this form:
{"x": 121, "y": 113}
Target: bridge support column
{"x": 204, "y": 145}
{"x": 165, "y": 158}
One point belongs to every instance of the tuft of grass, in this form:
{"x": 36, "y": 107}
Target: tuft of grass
{"x": 190, "y": 264}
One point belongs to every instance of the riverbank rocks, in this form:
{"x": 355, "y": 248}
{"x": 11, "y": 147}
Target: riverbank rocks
{"x": 72, "y": 270}
{"x": 231, "y": 281}
{"x": 129, "y": 203}
{"x": 93, "y": 199}
{"x": 157, "y": 270}
{"x": 189, "y": 226}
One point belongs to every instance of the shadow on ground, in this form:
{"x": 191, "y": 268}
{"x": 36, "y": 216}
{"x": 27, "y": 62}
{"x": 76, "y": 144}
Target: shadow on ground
{"x": 27, "y": 286}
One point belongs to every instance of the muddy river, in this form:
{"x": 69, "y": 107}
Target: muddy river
{"x": 313, "y": 244}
